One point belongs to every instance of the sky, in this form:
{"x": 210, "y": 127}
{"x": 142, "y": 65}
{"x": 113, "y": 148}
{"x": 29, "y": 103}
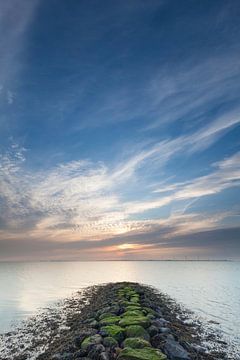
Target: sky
{"x": 119, "y": 130}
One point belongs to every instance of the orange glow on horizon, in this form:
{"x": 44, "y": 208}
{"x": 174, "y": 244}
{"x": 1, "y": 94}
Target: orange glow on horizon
{"x": 128, "y": 246}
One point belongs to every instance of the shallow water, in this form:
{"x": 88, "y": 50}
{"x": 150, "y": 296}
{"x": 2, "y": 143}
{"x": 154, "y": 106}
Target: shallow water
{"x": 210, "y": 289}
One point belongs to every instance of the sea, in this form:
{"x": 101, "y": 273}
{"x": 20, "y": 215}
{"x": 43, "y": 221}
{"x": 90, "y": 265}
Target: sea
{"x": 209, "y": 289}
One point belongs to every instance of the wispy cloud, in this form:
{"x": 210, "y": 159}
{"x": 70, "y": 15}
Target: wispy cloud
{"x": 15, "y": 18}
{"x": 86, "y": 200}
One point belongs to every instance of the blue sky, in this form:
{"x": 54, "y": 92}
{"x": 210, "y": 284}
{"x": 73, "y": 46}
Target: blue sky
{"x": 119, "y": 129}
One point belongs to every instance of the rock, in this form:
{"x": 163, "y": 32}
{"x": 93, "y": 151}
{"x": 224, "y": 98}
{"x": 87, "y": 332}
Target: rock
{"x": 95, "y": 351}
{"x": 94, "y": 323}
{"x": 110, "y": 320}
{"x": 170, "y": 337}
{"x": 136, "y": 343}
{"x": 158, "y": 340}
{"x": 199, "y": 349}
{"x": 90, "y": 341}
{"x": 134, "y": 299}
{"x": 136, "y": 312}
{"x": 106, "y": 315}
{"x": 64, "y": 356}
{"x": 150, "y": 316}
{"x": 133, "y": 307}
{"x": 137, "y": 331}
{"x": 135, "y": 320}
{"x": 147, "y": 310}
{"x": 80, "y": 354}
{"x": 110, "y": 342}
{"x": 146, "y": 353}
{"x": 115, "y": 331}
{"x": 104, "y": 356}
{"x": 159, "y": 322}
{"x": 106, "y": 309}
{"x": 79, "y": 339}
{"x": 152, "y": 330}
{"x": 175, "y": 351}
{"x": 158, "y": 311}
{"x": 164, "y": 330}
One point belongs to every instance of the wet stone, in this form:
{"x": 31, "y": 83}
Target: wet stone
{"x": 95, "y": 351}
{"x": 152, "y": 330}
{"x": 175, "y": 351}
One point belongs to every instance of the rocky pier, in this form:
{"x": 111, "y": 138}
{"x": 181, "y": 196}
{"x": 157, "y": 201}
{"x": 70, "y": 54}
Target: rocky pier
{"x": 128, "y": 321}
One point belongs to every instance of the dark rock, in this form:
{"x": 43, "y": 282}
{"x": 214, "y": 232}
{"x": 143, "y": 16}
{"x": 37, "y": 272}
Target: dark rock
{"x": 152, "y": 330}
{"x": 79, "y": 339}
{"x": 164, "y": 330}
{"x": 95, "y": 351}
{"x": 80, "y": 354}
{"x": 158, "y": 341}
{"x": 110, "y": 342}
{"x": 159, "y": 322}
{"x": 104, "y": 356}
{"x": 64, "y": 356}
{"x": 175, "y": 351}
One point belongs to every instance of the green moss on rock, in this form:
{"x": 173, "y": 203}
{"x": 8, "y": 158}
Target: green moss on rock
{"x": 106, "y": 315}
{"x": 115, "y": 331}
{"x": 136, "y": 343}
{"x": 133, "y": 307}
{"x": 135, "y": 312}
{"x": 94, "y": 339}
{"x": 146, "y": 353}
{"x": 110, "y": 320}
{"x": 137, "y": 331}
{"x": 135, "y": 320}
{"x": 110, "y": 342}
{"x": 147, "y": 310}
{"x": 134, "y": 299}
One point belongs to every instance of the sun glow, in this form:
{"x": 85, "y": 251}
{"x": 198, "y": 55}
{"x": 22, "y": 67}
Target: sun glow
{"x": 128, "y": 246}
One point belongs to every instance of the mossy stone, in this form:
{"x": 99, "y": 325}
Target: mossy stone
{"x": 137, "y": 312}
{"x": 115, "y": 331}
{"x": 136, "y": 343}
{"x": 110, "y": 320}
{"x": 137, "y": 331}
{"x": 133, "y": 307}
{"x": 146, "y": 353}
{"x": 94, "y": 339}
{"x": 105, "y": 315}
{"x": 147, "y": 310}
{"x": 134, "y": 299}
{"x": 110, "y": 342}
{"x": 135, "y": 320}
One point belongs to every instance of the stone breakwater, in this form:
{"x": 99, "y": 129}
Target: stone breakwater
{"x": 128, "y": 321}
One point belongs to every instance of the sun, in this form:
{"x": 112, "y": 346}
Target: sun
{"x": 127, "y": 246}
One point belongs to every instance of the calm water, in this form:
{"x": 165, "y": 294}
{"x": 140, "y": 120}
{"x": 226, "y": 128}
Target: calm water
{"x": 210, "y": 289}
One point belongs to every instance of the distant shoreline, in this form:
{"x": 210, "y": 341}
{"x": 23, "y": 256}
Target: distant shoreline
{"x": 120, "y": 260}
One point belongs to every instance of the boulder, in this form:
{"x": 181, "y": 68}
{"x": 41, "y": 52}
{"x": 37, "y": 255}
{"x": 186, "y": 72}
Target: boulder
{"x": 152, "y": 330}
{"x": 89, "y": 341}
{"x": 136, "y": 343}
{"x": 175, "y": 351}
{"x": 137, "y": 331}
{"x": 95, "y": 351}
{"x": 135, "y": 320}
{"x": 164, "y": 330}
{"x": 115, "y": 331}
{"x": 113, "y": 319}
{"x": 110, "y": 342}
